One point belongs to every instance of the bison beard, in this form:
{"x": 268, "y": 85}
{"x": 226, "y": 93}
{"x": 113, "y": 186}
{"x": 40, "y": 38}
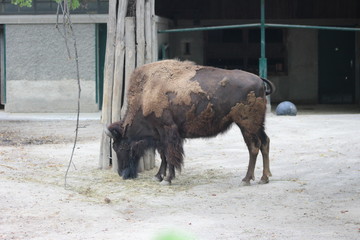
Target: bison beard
{"x": 170, "y": 100}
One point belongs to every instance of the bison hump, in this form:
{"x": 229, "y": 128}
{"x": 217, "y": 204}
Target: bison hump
{"x": 151, "y": 84}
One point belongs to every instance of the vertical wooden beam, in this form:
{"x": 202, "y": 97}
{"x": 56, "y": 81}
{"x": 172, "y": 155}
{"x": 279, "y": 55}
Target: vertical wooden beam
{"x": 119, "y": 62}
{"x": 140, "y": 33}
{"x": 122, "y": 55}
{"x": 149, "y": 156}
{"x": 154, "y": 41}
{"x": 119, "y": 69}
{"x": 130, "y": 56}
{"x": 148, "y": 34}
{"x": 104, "y": 159}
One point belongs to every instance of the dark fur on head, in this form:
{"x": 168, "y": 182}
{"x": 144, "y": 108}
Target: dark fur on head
{"x": 115, "y": 130}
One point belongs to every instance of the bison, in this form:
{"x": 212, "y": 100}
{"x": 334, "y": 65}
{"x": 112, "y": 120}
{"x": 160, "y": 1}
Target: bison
{"x": 171, "y": 100}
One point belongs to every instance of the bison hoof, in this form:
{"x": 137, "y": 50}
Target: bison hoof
{"x": 245, "y": 183}
{"x": 165, "y": 183}
{"x": 158, "y": 177}
{"x": 264, "y": 180}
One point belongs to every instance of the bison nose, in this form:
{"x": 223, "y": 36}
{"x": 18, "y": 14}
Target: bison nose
{"x": 119, "y": 172}
{"x": 129, "y": 173}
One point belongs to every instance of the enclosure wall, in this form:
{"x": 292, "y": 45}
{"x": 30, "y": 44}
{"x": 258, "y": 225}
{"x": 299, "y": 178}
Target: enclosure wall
{"x": 41, "y": 77}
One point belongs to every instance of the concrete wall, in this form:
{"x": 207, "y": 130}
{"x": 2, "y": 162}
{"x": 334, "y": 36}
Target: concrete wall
{"x": 39, "y": 75}
{"x": 194, "y": 39}
{"x": 300, "y": 85}
{"x": 196, "y": 46}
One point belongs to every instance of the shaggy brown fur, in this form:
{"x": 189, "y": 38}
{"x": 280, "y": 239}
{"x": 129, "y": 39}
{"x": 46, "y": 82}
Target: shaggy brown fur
{"x": 201, "y": 121}
{"x": 250, "y": 115}
{"x": 150, "y": 84}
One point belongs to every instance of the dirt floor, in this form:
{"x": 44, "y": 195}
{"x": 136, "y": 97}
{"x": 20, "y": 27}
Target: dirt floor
{"x": 314, "y": 192}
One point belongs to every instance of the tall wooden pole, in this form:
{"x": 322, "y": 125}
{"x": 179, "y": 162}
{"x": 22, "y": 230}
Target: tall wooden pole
{"x": 148, "y": 160}
{"x": 130, "y": 56}
{"x": 140, "y": 33}
{"x": 104, "y": 160}
{"x": 126, "y": 48}
{"x": 148, "y": 29}
{"x": 117, "y": 100}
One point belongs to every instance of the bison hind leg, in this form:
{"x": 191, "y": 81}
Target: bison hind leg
{"x": 253, "y": 143}
{"x": 265, "y": 148}
{"x": 256, "y": 142}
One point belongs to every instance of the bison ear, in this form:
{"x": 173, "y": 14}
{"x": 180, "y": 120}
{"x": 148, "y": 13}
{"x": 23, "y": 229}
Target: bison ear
{"x": 114, "y": 130}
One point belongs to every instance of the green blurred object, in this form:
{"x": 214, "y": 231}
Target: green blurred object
{"x": 173, "y": 235}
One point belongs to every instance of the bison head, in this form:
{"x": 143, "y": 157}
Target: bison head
{"x": 126, "y": 150}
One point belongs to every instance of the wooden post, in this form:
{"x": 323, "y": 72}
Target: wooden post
{"x": 104, "y": 160}
{"x": 129, "y": 56}
{"x": 119, "y": 62}
{"x": 154, "y": 42}
{"x": 119, "y": 70}
{"x": 140, "y": 33}
{"x": 148, "y": 35}
{"x": 122, "y": 55}
{"x": 149, "y": 156}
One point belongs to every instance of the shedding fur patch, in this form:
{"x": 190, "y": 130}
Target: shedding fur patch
{"x": 251, "y": 114}
{"x": 224, "y": 81}
{"x": 200, "y": 123}
{"x": 150, "y": 84}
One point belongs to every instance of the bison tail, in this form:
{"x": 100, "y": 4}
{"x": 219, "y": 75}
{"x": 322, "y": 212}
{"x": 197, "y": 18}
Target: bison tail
{"x": 269, "y": 86}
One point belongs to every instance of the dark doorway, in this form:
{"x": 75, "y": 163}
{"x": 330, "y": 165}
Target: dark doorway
{"x": 336, "y": 67}
{"x": 101, "y": 49}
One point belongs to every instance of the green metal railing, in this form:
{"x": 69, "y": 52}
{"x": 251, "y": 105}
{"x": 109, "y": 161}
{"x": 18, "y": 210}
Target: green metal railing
{"x": 262, "y": 60}
{"x": 273, "y": 25}
{"x": 251, "y": 25}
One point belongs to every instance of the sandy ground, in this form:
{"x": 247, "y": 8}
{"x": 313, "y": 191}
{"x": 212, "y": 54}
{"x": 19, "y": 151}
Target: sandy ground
{"x": 314, "y": 192}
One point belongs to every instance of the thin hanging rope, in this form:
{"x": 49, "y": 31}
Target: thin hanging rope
{"x": 64, "y": 7}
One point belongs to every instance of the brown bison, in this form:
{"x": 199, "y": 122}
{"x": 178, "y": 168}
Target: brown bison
{"x": 171, "y": 100}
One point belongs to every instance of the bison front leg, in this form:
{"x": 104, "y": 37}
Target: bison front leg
{"x": 167, "y": 180}
{"x": 173, "y": 151}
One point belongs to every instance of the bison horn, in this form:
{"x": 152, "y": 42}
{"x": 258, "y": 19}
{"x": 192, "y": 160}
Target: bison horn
{"x": 107, "y": 131}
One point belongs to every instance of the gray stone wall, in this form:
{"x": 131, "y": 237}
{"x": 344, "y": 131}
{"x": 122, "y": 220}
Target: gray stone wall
{"x": 40, "y": 76}
{"x": 301, "y": 83}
